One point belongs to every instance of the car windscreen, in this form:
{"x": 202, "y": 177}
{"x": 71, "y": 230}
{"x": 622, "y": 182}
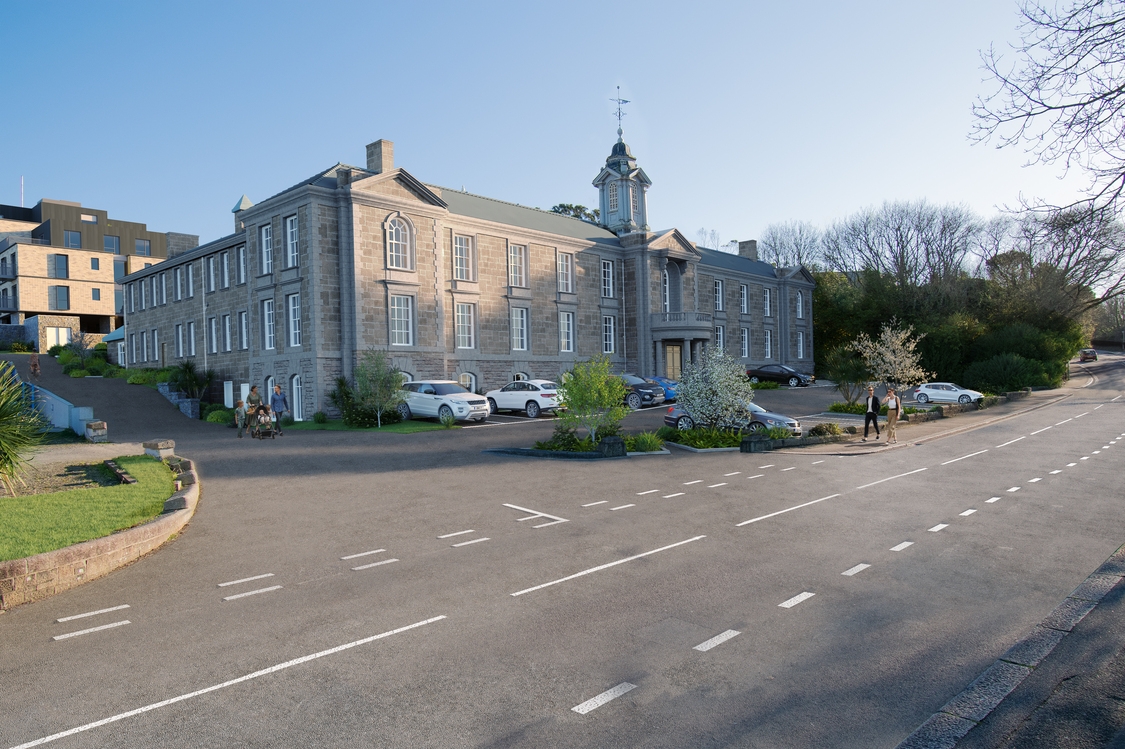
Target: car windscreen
{"x": 448, "y": 388}
{"x": 631, "y": 380}
{"x": 755, "y": 408}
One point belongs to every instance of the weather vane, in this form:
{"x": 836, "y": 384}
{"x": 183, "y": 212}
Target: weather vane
{"x": 620, "y": 113}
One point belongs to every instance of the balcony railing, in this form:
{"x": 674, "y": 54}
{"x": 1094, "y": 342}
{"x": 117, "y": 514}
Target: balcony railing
{"x": 673, "y": 318}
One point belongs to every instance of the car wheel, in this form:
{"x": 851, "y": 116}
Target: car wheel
{"x": 532, "y": 410}
{"x": 492, "y": 406}
{"x": 404, "y": 411}
{"x": 757, "y": 427}
{"x": 794, "y": 382}
{"x": 684, "y": 423}
{"x": 965, "y": 400}
{"x": 445, "y": 412}
{"x": 754, "y": 380}
{"x": 633, "y": 401}
{"x": 922, "y": 398}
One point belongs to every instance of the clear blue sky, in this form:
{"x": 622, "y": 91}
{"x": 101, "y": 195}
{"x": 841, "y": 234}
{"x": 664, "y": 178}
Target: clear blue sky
{"x": 743, "y": 113}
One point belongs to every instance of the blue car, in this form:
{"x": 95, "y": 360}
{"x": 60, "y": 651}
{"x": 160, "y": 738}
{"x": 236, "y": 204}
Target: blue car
{"x": 669, "y": 386}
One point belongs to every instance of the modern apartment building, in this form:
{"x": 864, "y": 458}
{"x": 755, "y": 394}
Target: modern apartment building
{"x": 61, "y": 266}
{"x": 454, "y": 285}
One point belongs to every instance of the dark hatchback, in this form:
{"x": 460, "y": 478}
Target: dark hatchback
{"x": 780, "y": 373}
{"x": 641, "y": 392}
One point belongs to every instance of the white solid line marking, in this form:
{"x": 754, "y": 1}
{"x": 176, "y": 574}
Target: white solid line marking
{"x": 1017, "y": 439}
{"x": 641, "y": 494}
{"x": 854, "y": 570}
{"x": 604, "y": 697}
{"x": 782, "y": 512}
{"x": 1014, "y": 489}
{"x": 1035, "y": 480}
{"x": 1040, "y": 430}
{"x": 938, "y": 527}
{"x": 239, "y": 680}
{"x": 252, "y": 592}
{"x": 605, "y": 566}
{"x": 718, "y": 639}
{"x": 1055, "y": 471}
{"x": 967, "y": 513}
{"x": 458, "y": 533}
{"x": 622, "y": 507}
{"x": 697, "y": 481}
{"x": 756, "y": 476}
{"x": 603, "y": 502}
{"x": 1063, "y": 422}
{"x": 373, "y": 564}
{"x": 902, "y": 546}
{"x": 1071, "y": 465}
{"x": 245, "y": 580}
{"x": 466, "y": 543}
{"x": 715, "y": 486}
{"x": 769, "y": 466}
{"x": 817, "y": 461}
{"x": 890, "y": 478}
{"x": 677, "y": 494}
{"x": 732, "y": 474}
{"x": 91, "y": 629}
{"x": 993, "y": 499}
{"x": 365, "y": 553}
{"x": 536, "y": 514}
{"x": 783, "y": 470}
{"x": 92, "y": 613}
{"x": 795, "y": 600}
{"x": 978, "y": 452}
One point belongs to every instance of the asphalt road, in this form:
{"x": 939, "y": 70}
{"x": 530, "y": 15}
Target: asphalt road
{"x": 339, "y": 590}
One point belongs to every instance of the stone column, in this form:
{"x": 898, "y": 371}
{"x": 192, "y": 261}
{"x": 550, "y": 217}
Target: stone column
{"x": 685, "y": 354}
{"x": 659, "y": 359}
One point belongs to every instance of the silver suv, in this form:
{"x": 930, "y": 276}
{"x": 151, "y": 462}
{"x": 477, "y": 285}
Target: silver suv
{"x": 442, "y": 398}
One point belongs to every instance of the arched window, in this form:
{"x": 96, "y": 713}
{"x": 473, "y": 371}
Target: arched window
{"x": 520, "y": 376}
{"x": 469, "y": 381}
{"x": 398, "y": 245}
{"x": 800, "y": 305}
{"x": 296, "y": 398}
{"x": 269, "y": 389}
{"x": 406, "y": 376}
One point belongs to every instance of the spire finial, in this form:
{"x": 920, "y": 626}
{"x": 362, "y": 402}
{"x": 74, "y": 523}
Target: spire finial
{"x": 620, "y": 113}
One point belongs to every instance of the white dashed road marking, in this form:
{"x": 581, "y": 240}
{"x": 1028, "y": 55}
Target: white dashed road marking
{"x": 795, "y": 600}
{"x": 622, "y": 507}
{"x": 718, "y": 639}
{"x": 376, "y": 551}
{"x": 1056, "y": 471}
{"x": 715, "y": 486}
{"x": 939, "y": 527}
{"x": 1097, "y": 452}
{"x": 1059, "y": 424}
{"x": 902, "y": 546}
{"x": 769, "y": 466}
{"x": 993, "y": 499}
{"x": 606, "y": 696}
{"x": 252, "y": 592}
{"x": 1013, "y": 489}
{"x": 677, "y": 494}
{"x": 466, "y": 543}
{"x": 92, "y": 613}
{"x": 697, "y": 481}
{"x": 1035, "y": 480}
{"x": 1040, "y": 430}
{"x": 536, "y": 514}
{"x": 601, "y": 567}
{"x": 1009, "y": 442}
{"x": 978, "y": 452}
{"x": 603, "y": 502}
{"x": 1097, "y": 407}
{"x": 373, "y": 564}
{"x": 641, "y": 494}
{"x": 891, "y": 478}
{"x": 817, "y": 461}
{"x": 790, "y": 468}
{"x": 967, "y": 513}
{"x": 245, "y": 580}
{"x": 855, "y": 570}
{"x": 91, "y": 629}
{"x": 1086, "y": 457}
{"x": 756, "y": 476}
{"x": 1071, "y": 465}
{"x": 732, "y": 474}
{"x": 789, "y": 509}
{"x": 458, "y": 533}
{"x": 1079, "y": 416}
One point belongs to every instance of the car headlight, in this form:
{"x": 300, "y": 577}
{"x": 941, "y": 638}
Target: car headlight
{"x": 774, "y": 422}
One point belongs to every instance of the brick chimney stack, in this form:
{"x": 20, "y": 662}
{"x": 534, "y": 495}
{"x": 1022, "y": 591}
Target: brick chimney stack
{"x": 380, "y": 156}
{"x": 747, "y": 249}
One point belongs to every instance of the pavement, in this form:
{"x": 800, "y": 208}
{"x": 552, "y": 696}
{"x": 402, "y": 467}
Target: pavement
{"x": 1072, "y": 698}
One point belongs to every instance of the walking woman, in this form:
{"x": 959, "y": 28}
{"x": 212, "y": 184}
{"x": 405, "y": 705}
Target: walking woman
{"x": 893, "y": 404}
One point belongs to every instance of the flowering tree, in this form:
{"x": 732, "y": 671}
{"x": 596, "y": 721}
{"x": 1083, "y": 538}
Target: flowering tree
{"x": 714, "y": 390}
{"x": 594, "y": 397}
{"x": 891, "y": 358}
{"x": 378, "y": 384}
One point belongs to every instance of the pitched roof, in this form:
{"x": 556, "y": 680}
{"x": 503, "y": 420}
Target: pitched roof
{"x": 737, "y": 263}
{"x": 489, "y": 209}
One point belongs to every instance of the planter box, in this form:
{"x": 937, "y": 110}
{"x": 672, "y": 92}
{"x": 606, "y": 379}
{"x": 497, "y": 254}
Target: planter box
{"x": 531, "y": 452}
{"x": 703, "y": 449}
{"x": 759, "y": 445}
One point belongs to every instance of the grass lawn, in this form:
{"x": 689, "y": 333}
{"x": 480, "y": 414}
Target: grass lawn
{"x": 337, "y": 425}
{"x": 44, "y": 522}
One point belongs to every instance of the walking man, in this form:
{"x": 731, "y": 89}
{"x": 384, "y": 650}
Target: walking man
{"x": 894, "y": 404}
{"x": 871, "y": 416}
{"x": 279, "y": 405}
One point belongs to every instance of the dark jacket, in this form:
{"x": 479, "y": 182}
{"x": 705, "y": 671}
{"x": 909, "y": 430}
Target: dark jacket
{"x": 873, "y": 404}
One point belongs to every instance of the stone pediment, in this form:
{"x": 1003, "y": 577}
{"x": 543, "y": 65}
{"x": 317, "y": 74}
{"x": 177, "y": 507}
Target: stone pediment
{"x": 398, "y": 183}
{"x": 675, "y": 244}
{"x": 637, "y": 174}
{"x": 798, "y": 273}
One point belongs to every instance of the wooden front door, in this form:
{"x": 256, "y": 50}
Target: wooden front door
{"x": 673, "y": 360}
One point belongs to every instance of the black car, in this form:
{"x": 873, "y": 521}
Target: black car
{"x": 780, "y": 373}
{"x": 641, "y": 392}
{"x": 760, "y": 420}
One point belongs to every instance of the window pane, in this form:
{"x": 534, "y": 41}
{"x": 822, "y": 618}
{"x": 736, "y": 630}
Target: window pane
{"x": 402, "y": 321}
{"x": 143, "y": 247}
{"x": 462, "y": 265}
{"x": 398, "y": 249}
{"x": 111, "y": 244}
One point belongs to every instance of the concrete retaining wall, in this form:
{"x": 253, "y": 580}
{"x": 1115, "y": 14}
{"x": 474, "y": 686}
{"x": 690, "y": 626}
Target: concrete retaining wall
{"x": 44, "y": 575}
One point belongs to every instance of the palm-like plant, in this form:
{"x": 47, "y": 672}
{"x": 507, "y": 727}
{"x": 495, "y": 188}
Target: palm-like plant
{"x": 21, "y": 427}
{"x": 188, "y": 379}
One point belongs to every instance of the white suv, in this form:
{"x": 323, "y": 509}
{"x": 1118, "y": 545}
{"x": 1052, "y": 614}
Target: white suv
{"x": 441, "y": 397}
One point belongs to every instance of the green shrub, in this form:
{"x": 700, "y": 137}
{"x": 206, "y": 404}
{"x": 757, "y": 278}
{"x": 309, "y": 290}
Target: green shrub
{"x": 78, "y": 373}
{"x": 563, "y": 438}
{"x": 66, "y": 356}
{"x": 220, "y": 416}
{"x": 667, "y": 434}
{"x": 829, "y": 429}
{"x": 779, "y": 433}
{"x": 54, "y": 350}
{"x": 858, "y": 409}
{"x": 139, "y": 377}
{"x": 101, "y": 347}
{"x": 22, "y": 347}
{"x": 96, "y": 366}
{"x": 448, "y": 420}
{"x": 343, "y": 397}
{"x": 645, "y": 442}
{"x": 703, "y": 438}
{"x": 287, "y": 420}
{"x": 1006, "y": 372}
{"x": 206, "y": 411}
{"x": 320, "y": 417}
{"x": 765, "y": 385}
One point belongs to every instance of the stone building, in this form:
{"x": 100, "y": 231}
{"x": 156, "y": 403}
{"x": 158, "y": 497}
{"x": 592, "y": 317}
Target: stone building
{"x": 454, "y": 285}
{"x": 61, "y": 266}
